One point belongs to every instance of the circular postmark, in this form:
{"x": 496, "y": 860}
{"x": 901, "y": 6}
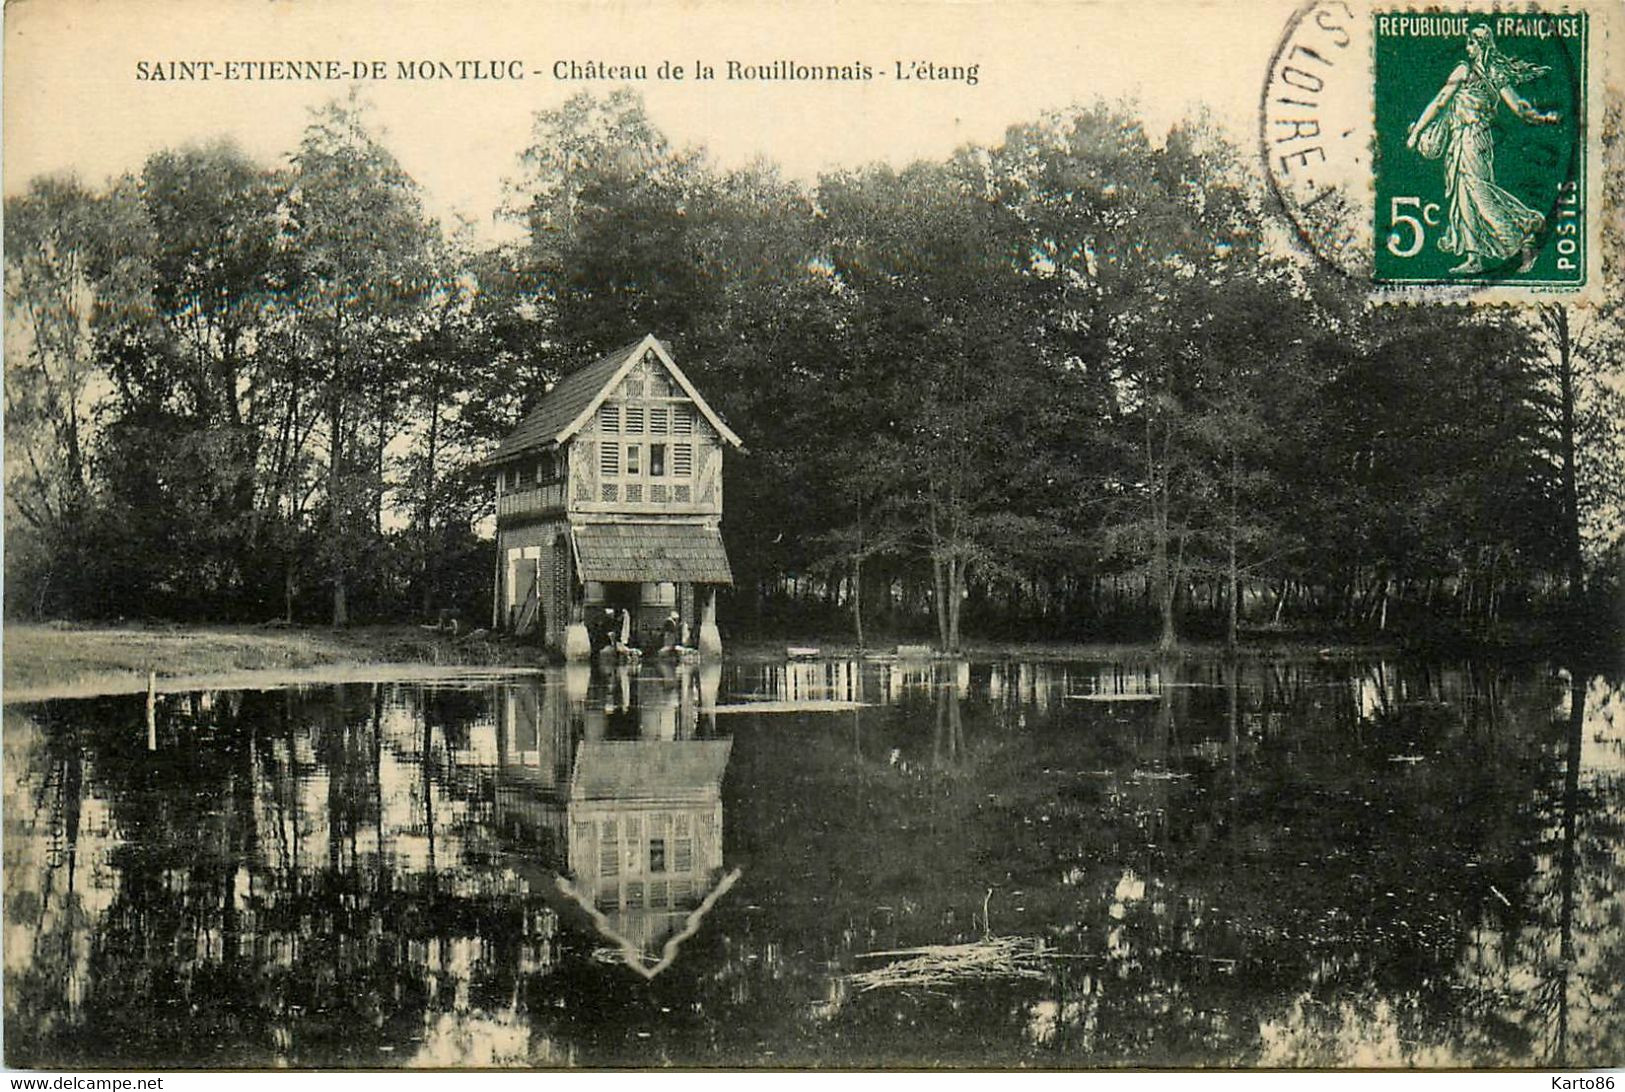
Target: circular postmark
{"x": 1314, "y": 131}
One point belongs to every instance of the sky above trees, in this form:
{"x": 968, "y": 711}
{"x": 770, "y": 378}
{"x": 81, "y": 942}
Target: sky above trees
{"x": 73, "y": 101}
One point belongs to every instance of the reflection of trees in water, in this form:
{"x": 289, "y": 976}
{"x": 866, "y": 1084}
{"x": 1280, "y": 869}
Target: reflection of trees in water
{"x": 305, "y": 900}
{"x": 52, "y": 880}
{"x": 1555, "y": 944}
{"x": 1289, "y": 870}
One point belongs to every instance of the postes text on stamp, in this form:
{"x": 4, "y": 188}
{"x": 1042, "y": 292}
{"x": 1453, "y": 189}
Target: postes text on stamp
{"x": 1480, "y": 148}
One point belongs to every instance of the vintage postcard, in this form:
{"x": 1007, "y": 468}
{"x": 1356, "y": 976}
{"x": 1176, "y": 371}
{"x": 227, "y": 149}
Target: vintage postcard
{"x": 948, "y": 534}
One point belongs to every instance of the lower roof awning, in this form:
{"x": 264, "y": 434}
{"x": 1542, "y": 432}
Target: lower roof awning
{"x": 629, "y": 553}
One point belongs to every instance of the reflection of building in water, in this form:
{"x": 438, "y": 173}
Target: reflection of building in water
{"x": 537, "y": 729}
{"x": 657, "y": 701}
{"x": 541, "y": 727}
{"x": 646, "y": 832}
{"x": 604, "y": 776}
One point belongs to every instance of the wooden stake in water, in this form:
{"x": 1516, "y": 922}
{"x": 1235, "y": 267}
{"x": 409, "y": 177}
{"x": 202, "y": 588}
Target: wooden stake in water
{"x": 152, "y": 710}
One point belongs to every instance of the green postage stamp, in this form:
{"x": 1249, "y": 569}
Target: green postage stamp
{"x": 1448, "y": 153}
{"x": 1480, "y": 149}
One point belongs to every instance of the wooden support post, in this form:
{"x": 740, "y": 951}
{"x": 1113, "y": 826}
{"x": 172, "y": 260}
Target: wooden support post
{"x": 496, "y": 588}
{"x": 152, "y": 710}
{"x": 710, "y": 643}
{"x": 577, "y": 642}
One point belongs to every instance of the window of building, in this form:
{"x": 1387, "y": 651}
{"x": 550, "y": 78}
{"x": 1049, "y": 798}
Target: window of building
{"x": 657, "y": 854}
{"x": 634, "y": 458}
{"x": 634, "y": 419}
{"x": 609, "y": 417}
{"x": 659, "y": 420}
{"x": 682, "y": 420}
{"x": 609, "y": 459}
{"x": 547, "y": 468}
{"x": 682, "y": 460}
{"x": 657, "y": 460}
{"x": 683, "y": 847}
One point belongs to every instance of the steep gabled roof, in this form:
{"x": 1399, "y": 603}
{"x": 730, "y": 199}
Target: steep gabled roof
{"x": 668, "y": 771}
{"x": 563, "y": 403}
{"x": 574, "y": 399}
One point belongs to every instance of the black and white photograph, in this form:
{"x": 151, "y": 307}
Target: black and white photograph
{"x": 692, "y": 535}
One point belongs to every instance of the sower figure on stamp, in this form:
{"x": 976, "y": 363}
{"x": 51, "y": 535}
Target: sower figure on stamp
{"x": 1485, "y": 222}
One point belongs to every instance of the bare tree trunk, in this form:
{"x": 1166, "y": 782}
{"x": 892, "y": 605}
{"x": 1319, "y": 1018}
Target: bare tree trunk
{"x": 335, "y": 520}
{"x": 1165, "y": 588}
{"x": 288, "y": 588}
{"x": 426, "y": 518}
{"x": 1234, "y": 573}
{"x": 939, "y": 601}
{"x": 1162, "y": 574}
{"x": 381, "y": 441}
{"x": 857, "y": 598}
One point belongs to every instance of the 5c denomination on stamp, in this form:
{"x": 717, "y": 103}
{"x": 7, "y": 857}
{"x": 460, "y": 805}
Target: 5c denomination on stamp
{"x": 1446, "y": 154}
{"x": 1480, "y": 148}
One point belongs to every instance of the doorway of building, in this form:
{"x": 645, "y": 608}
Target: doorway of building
{"x": 624, "y": 597}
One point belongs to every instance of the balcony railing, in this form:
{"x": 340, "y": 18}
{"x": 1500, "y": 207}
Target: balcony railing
{"x": 534, "y": 500}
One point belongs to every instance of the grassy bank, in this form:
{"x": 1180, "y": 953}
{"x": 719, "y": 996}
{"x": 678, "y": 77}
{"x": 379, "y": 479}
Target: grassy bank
{"x": 54, "y": 660}
{"x": 57, "y": 660}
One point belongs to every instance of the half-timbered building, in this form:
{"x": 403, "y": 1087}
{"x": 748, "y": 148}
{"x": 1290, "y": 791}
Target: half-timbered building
{"x": 609, "y": 499}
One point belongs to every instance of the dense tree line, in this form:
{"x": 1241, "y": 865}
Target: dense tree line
{"x": 1074, "y": 384}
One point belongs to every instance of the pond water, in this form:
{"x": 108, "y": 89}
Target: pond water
{"x": 827, "y": 863}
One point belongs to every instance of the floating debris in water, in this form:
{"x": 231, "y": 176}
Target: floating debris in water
{"x": 1113, "y": 697}
{"x": 811, "y": 705}
{"x": 954, "y": 964}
